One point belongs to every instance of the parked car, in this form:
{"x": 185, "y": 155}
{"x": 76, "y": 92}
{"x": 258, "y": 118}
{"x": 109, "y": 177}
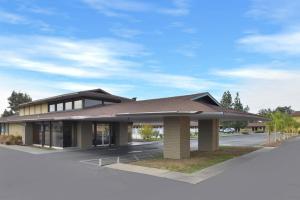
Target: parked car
{"x": 229, "y": 130}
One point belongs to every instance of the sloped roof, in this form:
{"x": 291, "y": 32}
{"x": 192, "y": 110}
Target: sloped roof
{"x": 94, "y": 94}
{"x": 188, "y": 105}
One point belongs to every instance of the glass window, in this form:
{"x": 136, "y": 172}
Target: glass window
{"x": 57, "y": 134}
{"x": 59, "y": 107}
{"x": 47, "y": 134}
{"x": 78, "y": 104}
{"x": 108, "y": 103}
{"x": 69, "y": 105}
{"x": 91, "y": 102}
{"x": 52, "y": 108}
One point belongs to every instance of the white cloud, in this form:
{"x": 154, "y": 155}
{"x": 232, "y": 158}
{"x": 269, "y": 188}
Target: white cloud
{"x": 121, "y": 8}
{"x": 263, "y": 72}
{"x": 16, "y": 19}
{"x": 266, "y": 87}
{"x": 126, "y": 33}
{"x": 287, "y": 43}
{"x": 181, "y": 7}
{"x": 285, "y": 12}
{"x": 12, "y": 18}
{"x": 101, "y": 59}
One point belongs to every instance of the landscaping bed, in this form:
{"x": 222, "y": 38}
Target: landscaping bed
{"x": 197, "y": 161}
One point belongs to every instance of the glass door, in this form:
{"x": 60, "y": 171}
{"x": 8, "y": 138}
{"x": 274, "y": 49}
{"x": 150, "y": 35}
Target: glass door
{"x": 102, "y": 134}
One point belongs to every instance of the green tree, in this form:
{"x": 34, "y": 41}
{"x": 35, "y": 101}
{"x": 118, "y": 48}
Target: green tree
{"x": 284, "y": 109}
{"x": 226, "y": 100}
{"x": 15, "y": 99}
{"x": 146, "y": 131}
{"x": 238, "y": 106}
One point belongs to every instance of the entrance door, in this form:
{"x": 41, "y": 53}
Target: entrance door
{"x": 67, "y": 136}
{"x": 102, "y": 134}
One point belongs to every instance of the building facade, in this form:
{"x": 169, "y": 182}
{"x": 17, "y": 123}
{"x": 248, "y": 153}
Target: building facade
{"x": 95, "y": 117}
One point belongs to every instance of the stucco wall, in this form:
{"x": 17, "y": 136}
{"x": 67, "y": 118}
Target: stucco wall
{"x": 34, "y": 110}
{"x": 17, "y": 129}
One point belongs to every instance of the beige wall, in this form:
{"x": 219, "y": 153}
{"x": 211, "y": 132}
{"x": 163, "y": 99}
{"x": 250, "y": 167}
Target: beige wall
{"x": 176, "y": 137}
{"x": 208, "y": 135}
{"x": 22, "y": 112}
{"x": 17, "y": 129}
{"x": 44, "y": 108}
{"x": 34, "y": 110}
{"x": 297, "y": 119}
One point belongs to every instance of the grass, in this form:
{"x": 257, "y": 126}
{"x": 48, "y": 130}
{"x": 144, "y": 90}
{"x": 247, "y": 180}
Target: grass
{"x": 197, "y": 161}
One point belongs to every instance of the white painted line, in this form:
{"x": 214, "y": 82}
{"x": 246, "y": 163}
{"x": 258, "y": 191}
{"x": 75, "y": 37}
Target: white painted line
{"x": 135, "y": 151}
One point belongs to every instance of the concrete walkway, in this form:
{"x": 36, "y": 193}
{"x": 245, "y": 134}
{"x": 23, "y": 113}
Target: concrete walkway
{"x": 192, "y": 178}
{"x": 31, "y": 149}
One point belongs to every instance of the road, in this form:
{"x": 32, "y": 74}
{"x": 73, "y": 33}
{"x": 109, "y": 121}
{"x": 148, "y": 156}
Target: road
{"x": 273, "y": 175}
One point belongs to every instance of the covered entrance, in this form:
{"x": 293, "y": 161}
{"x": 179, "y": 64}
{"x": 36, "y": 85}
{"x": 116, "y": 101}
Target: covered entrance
{"x": 102, "y": 134}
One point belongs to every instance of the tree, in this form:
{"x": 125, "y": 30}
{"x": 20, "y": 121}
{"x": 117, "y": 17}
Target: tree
{"x": 146, "y": 131}
{"x": 265, "y": 112}
{"x": 284, "y": 109}
{"x": 226, "y": 100}
{"x": 15, "y": 99}
{"x": 238, "y": 106}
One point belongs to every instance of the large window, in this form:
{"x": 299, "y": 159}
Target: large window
{"x": 47, "y": 134}
{"x": 108, "y": 103}
{"x": 78, "y": 104}
{"x": 59, "y": 107}
{"x": 57, "y": 134}
{"x": 52, "y": 108}
{"x": 91, "y": 102}
{"x": 69, "y": 105}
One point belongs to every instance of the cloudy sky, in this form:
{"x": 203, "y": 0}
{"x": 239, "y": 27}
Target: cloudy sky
{"x": 148, "y": 49}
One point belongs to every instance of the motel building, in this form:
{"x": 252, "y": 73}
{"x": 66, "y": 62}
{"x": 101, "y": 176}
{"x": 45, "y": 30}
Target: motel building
{"x": 97, "y": 118}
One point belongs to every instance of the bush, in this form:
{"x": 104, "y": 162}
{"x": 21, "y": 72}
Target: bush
{"x": 146, "y": 131}
{"x": 11, "y": 140}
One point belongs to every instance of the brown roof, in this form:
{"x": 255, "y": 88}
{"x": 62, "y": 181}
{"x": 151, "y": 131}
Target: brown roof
{"x": 93, "y": 94}
{"x": 256, "y": 124}
{"x": 188, "y": 105}
{"x": 296, "y": 114}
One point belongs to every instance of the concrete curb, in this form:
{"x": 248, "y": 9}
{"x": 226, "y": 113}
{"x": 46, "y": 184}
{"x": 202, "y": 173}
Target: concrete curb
{"x": 193, "y": 178}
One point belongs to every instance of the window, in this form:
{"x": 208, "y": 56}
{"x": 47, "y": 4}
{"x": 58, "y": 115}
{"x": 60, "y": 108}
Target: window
{"x": 52, "y": 108}
{"x": 57, "y": 134}
{"x": 59, "y": 107}
{"x": 91, "y": 102}
{"x": 69, "y": 105}
{"x": 108, "y": 103}
{"x": 78, "y": 104}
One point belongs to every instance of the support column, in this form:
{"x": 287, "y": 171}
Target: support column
{"x": 130, "y": 126}
{"x": 28, "y": 134}
{"x": 121, "y": 133}
{"x": 84, "y": 134}
{"x": 208, "y": 135}
{"x": 176, "y": 137}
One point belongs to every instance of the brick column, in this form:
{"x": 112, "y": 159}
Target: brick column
{"x": 208, "y": 135}
{"x": 176, "y": 137}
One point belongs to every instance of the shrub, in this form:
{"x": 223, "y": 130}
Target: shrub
{"x": 146, "y": 131}
{"x": 11, "y": 140}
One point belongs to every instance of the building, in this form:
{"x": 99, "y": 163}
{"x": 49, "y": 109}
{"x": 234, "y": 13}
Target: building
{"x": 96, "y": 117}
{"x": 296, "y": 116}
{"x": 257, "y": 127}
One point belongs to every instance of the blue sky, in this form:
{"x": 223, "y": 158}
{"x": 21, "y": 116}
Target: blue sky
{"x": 148, "y": 49}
